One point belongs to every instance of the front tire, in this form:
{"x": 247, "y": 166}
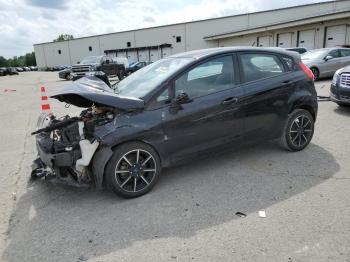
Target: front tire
{"x": 298, "y": 130}
{"x": 133, "y": 170}
{"x": 316, "y": 73}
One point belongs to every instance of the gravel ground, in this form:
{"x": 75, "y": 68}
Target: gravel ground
{"x": 190, "y": 214}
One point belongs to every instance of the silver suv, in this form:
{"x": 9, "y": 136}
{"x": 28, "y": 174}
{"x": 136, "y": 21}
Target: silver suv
{"x": 324, "y": 62}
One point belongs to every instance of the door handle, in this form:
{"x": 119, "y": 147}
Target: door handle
{"x": 229, "y": 101}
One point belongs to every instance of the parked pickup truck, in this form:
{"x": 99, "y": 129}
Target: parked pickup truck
{"x": 92, "y": 64}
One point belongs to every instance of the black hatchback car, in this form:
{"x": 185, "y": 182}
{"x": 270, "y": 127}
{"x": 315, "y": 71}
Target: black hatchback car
{"x": 173, "y": 110}
{"x": 340, "y": 87}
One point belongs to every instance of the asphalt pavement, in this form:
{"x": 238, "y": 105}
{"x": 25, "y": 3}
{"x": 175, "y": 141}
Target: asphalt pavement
{"x": 190, "y": 215}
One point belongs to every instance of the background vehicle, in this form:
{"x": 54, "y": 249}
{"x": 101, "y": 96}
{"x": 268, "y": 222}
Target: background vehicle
{"x": 19, "y": 69}
{"x": 3, "y": 71}
{"x": 33, "y": 68}
{"x": 340, "y": 87}
{"x": 12, "y": 71}
{"x": 65, "y": 73}
{"x": 300, "y": 50}
{"x": 136, "y": 66}
{"x": 92, "y": 64}
{"x": 192, "y": 105}
{"x": 324, "y": 62}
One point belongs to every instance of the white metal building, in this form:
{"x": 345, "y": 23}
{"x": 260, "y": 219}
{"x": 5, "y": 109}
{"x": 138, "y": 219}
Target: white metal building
{"x": 312, "y": 26}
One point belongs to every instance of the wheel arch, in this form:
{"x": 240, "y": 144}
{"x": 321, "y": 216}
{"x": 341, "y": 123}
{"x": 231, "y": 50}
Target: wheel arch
{"x": 306, "y": 106}
{"x": 103, "y": 156}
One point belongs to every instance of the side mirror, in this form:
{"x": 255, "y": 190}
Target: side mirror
{"x": 78, "y": 62}
{"x": 328, "y": 57}
{"x": 183, "y": 98}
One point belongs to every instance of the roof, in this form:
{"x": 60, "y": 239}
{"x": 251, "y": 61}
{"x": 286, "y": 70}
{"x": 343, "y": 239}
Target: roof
{"x": 263, "y": 27}
{"x": 201, "y": 20}
{"x": 219, "y": 50}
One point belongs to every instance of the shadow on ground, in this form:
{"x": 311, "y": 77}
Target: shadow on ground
{"x": 343, "y": 110}
{"x": 63, "y": 223}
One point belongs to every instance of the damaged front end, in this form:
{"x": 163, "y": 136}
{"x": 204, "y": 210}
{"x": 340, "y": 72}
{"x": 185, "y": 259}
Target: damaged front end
{"x": 68, "y": 148}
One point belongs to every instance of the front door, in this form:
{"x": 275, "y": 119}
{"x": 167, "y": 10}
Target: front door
{"x": 213, "y": 114}
{"x": 331, "y": 65}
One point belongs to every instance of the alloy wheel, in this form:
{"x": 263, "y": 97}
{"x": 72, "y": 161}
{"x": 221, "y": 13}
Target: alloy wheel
{"x": 135, "y": 170}
{"x": 301, "y": 131}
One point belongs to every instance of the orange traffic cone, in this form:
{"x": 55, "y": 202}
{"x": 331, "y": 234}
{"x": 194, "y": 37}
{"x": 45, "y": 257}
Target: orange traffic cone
{"x": 45, "y": 106}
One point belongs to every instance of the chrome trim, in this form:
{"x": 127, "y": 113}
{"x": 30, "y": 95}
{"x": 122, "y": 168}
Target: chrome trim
{"x": 344, "y": 80}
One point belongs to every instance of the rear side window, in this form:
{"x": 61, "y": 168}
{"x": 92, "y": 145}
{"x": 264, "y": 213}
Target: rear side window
{"x": 259, "y": 66}
{"x": 345, "y": 52}
{"x": 289, "y": 63}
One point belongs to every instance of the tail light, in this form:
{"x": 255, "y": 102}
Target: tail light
{"x": 307, "y": 71}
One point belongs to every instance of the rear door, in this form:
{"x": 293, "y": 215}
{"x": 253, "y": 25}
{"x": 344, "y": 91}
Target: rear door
{"x": 267, "y": 85}
{"x": 214, "y": 114}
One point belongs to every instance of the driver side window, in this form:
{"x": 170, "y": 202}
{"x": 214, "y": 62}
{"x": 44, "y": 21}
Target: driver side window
{"x": 210, "y": 77}
{"x": 334, "y": 53}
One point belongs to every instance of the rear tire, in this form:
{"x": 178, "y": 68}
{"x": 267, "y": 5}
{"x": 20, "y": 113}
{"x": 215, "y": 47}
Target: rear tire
{"x": 298, "y": 130}
{"x": 133, "y": 170}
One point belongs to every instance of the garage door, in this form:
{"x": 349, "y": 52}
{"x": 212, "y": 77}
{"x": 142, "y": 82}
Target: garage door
{"x": 264, "y": 41}
{"x": 132, "y": 56}
{"x": 335, "y": 35}
{"x": 154, "y": 55}
{"x": 121, "y": 54}
{"x": 166, "y": 51}
{"x": 143, "y": 55}
{"x": 306, "y": 39}
{"x": 284, "y": 40}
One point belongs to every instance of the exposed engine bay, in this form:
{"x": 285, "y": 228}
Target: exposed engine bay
{"x": 76, "y": 149}
{"x": 66, "y": 145}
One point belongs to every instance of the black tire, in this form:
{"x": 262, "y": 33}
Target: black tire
{"x": 298, "y": 130}
{"x": 68, "y": 77}
{"x": 316, "y": 73}
{"x": 129, "y": 170}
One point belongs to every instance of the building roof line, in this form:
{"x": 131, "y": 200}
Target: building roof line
{"x": 196, "y": 21}
{"x": 212, "y": 37}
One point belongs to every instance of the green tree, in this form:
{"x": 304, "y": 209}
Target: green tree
{"x": 26, "y": 60}
{"x": 3, "y": 62}
{"x": 63, "y": 37}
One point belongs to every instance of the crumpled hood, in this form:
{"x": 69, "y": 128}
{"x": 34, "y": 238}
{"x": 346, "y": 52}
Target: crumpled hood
{"x": 91, "y": 90}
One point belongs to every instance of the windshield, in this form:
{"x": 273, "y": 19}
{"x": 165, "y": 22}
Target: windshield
{"x": 146, "y": 79}
{"x": 91, "y": 60}
{"x": 315, "y": 54}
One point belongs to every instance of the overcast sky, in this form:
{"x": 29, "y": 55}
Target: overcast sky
{"x": 26, "y": 22}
